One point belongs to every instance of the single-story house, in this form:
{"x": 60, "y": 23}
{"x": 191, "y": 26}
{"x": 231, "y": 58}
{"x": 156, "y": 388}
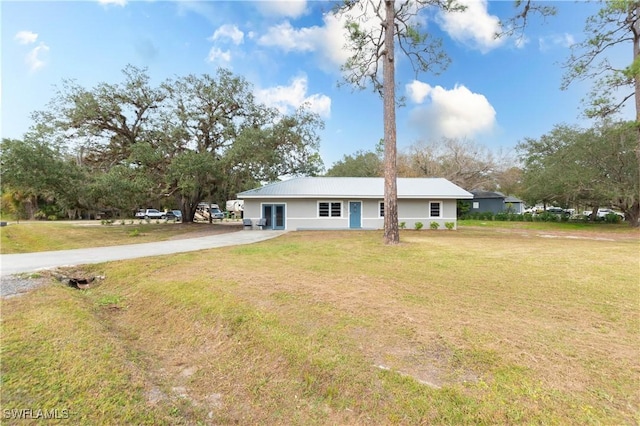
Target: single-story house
{"x": 495, "y": 202}
{"x": 350, "y": 203}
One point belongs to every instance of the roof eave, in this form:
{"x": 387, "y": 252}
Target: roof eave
{"x": 369, "y": 197}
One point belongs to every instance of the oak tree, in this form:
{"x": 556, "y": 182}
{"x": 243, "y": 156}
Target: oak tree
{"x": 187, "y": 140}
{"x": 616, "y": 25}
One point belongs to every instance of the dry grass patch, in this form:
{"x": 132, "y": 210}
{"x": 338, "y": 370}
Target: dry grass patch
{"x": 473, "y": 326}
{"x": 29, "y": 237}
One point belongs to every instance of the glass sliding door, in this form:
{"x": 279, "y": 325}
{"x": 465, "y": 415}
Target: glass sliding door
{"x": 278, "y": 215}
{"x": 267, "y": 213}
{"x": 274, "y": 215}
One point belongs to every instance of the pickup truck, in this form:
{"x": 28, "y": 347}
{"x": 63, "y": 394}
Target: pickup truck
{"x": 150, "y": 214}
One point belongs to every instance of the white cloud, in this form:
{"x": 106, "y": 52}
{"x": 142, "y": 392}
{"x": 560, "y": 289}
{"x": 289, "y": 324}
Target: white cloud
{"x": 521, "y": 41}
{"x": 556, "y": 40}
{"x": 228, "y": 31}
{"x": 328, "y": 41}
{"x": 115, "y": 2}
{"x": 417, "y": 91}
{"x": 281, "y": 8}
{"x": 474, "y": 26}
{"x": 455, "y": 113}
{"x": 34, "y": 58}
{"x": 332, "y": 40}
{"x": 288, "y": 98}
{"x": 216, "y": 54}
{"x": 26, "y": 37}
{"x": 290, "y": 39}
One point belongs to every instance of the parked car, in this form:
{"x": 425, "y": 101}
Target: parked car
{"x": 216, "y": 213}
{"x": 204, "y": 209}
{"x": 602, "y": 213}
{"x": 174, "y": 215}
{"x": 557, "y": 210}
{"x": 150, "y": 214}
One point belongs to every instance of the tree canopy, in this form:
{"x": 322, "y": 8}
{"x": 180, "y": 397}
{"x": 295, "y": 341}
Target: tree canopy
{"x": 615, "y": 26}
{"x": 186, "y": 140}
{"x": 32, "y": 170}
{"x": 592, "y": 167}
{"x": 360, "y": 164}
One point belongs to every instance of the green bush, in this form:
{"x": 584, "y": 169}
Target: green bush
{"x": 502, "y": 216}
{"x": 402, "y": 225}
{"x": 434, "y": 225}
{"x": 134, "y": 233}
{"x": 580, "y": 218}
{"x": 418, "y": 226}
{"x": 462, "y": 208}
{"x": 612, "y": 218}
{"x": 547, "y": 217}
{"x": 449, "y": 225}
{"x": 486, "y": 216}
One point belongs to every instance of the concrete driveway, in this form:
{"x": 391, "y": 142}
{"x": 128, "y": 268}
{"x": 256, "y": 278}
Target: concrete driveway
{"x": 28, "y": 262}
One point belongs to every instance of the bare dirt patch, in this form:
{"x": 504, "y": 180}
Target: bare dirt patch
{"x": 605, "y": 235}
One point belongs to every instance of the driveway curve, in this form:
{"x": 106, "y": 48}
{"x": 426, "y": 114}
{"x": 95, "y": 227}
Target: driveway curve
{"x": 11, "y": 264}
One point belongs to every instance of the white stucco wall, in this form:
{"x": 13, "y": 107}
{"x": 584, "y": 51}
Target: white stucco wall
{"x": 303, "y": 213}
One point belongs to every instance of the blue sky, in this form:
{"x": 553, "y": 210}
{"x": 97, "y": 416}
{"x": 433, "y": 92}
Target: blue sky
{"x": 495, "y": 92}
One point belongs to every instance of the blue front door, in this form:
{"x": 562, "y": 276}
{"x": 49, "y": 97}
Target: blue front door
{"x": 355, "y": 214}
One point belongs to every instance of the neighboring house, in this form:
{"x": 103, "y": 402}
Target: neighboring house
{"x": 350, "y": 203}
{"x": 495, "y": 202}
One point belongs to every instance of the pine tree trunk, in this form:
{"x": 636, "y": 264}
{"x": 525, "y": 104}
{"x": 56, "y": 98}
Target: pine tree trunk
{"x": 635, "y": 209}
{"x": 391, "y": 232}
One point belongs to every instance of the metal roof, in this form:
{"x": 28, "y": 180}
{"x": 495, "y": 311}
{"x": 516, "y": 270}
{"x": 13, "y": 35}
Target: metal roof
{"x": 357, "y": 187}
{"x": 512, "y": 199}
{"x": 478, "y": 194}
{"x": 486, "y": 194}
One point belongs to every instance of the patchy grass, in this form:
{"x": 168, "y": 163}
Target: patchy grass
{"x": 28, "y": 237}
{"x": 478, "y": 326}
{"x": 622, "y": 227}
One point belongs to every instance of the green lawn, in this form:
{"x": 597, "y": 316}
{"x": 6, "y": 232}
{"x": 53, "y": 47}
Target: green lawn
{"x": 484, "y": 325}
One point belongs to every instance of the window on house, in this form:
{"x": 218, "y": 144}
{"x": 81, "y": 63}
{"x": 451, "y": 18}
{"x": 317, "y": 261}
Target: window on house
{"x": 381, "y": 209}
{"x": 336, "y": 209}
{"x": 435, "y": 208}
{"x": 476, "y": 204}
{"x": 329, "y": 209}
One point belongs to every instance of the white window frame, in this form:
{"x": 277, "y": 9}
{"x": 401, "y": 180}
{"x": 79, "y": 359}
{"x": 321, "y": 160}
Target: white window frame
{"x": 330, "y": 202}
{"x": 439, "y": 209}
